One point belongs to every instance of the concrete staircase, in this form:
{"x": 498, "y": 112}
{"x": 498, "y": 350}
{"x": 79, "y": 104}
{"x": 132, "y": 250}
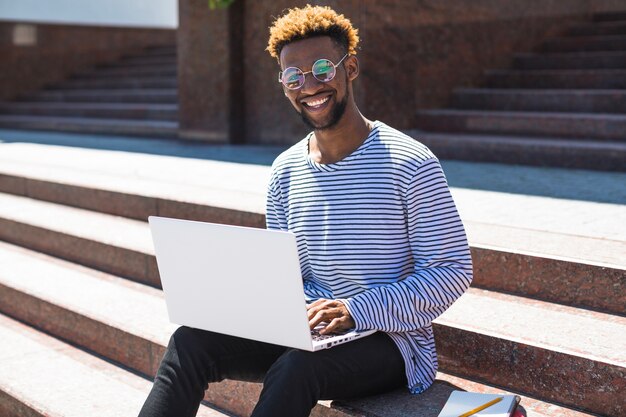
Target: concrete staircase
{"x": 82, "y": 313}
{"x": 563, "y": 105}
{"x": 135, "y": 96}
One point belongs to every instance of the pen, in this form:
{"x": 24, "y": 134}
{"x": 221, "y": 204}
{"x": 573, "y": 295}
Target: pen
{"x": 482, "y": 407}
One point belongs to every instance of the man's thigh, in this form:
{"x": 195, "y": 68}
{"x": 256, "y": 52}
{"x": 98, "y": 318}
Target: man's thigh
{"x": 227, "y": 357}
{"x": 366, "y": 366}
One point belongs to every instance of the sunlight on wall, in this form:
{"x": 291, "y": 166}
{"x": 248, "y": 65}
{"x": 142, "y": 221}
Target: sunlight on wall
{"x": 139, "y": 13}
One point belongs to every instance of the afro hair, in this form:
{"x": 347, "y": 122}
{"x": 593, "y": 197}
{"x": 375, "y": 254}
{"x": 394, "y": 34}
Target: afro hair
{"x": 310, "y": 21}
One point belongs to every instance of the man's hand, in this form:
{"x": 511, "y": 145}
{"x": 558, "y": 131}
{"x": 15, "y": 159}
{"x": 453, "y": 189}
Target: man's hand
{"x": 332, "y": 312}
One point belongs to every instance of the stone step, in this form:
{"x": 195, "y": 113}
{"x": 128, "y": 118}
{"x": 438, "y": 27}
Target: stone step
{"x": 153, "y": 128}
{"x": 115, "y": 68}
{"x": 100, "y": 388}
{"x": 27, "y": 393}
{"x": 138, "y": 185}
{"x": 570, "y": 79}
{"x": 584, "y": 43}
{"x": 168, "y": 112}
{"x": 544, "y": 277}
{"x": 245, "y": 178}
{"x": 609, "y": 16}
{"x": 600, "y": 127}
{"x": 543, "y": 268}
{"x": 398, "y": 404}
{"x": 128, "y": 71}
{"x": 598, "y": 28}
{"x": 584, "y": 101}
{"x": 105, "y": 96}
{"x": 116, "y": 83}
{"x": 109, "y": 243}
{"x": 40, "y": 374}
{"x": 527, "y": 339}
{"x": 127, "y": 323}
{"x": 37, "y": 169}
{"x": 520, "y": 150}
{"x": 143, "y": 61}
{"x": 570, "y": 60}
{"x": 157, "y": 51}
{"x": 171, "y": 48}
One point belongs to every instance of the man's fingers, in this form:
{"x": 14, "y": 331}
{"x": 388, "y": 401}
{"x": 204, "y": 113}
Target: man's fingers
{"x": 342, "y": 320}
{"x": 316, "y": 303}
{"x": 319, "y": 305}
{"x": 325, "y": 315}
{"x": 314, "y": 311}
{"x": 329, "y": 311}
{"x": 336, "y": 324}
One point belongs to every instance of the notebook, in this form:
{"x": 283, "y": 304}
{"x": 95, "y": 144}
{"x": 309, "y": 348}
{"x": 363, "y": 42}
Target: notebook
{"x": 461, "y": 402}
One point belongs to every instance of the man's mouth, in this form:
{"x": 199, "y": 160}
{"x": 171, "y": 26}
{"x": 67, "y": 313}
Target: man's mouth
{"x": 317, "y": 104}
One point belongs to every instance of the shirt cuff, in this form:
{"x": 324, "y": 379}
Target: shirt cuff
{"x": 356, "y": 312}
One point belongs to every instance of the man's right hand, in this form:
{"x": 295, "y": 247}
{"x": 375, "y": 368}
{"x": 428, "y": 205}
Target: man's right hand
{"x": 333, "y": 312}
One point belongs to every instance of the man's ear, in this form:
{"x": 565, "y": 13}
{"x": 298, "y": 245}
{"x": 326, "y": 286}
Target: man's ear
{"x": 352, "y": 67}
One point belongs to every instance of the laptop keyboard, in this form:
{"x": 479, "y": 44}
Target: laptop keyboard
{"x": 315, "y": 334}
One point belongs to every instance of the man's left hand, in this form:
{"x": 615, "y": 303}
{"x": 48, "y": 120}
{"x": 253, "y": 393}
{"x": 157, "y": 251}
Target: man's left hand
{"x": 332, "y": 312}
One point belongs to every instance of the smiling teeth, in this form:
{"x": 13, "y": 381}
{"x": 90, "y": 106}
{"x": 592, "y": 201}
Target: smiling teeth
{"x": 317, "y": 103}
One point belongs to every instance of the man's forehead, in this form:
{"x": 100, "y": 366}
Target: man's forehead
{"x": 306, "y": 51}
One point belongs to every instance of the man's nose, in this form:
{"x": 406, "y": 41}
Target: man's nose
{"x": 311, "y": 84}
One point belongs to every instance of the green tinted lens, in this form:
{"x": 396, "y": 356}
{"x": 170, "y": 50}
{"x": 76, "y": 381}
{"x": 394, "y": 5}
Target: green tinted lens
{"x": 293, "y": 78}
{"x": 323, "y": 70}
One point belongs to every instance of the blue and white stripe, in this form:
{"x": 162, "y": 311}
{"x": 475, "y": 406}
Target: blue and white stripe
{"x": 378, "y": 230}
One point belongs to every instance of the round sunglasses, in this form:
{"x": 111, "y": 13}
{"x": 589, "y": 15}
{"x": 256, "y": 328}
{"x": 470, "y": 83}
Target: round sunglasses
{"x": 323, "y": 70}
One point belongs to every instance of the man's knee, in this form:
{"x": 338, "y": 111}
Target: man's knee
{"x": 202, "y": 343}
{"x": 186, "y": 353}
{"x": 187, "y": 341}
{"x": 183, "y": 336}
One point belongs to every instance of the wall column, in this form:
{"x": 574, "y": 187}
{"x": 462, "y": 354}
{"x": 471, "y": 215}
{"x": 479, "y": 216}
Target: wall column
{"x": 210, "y": 80}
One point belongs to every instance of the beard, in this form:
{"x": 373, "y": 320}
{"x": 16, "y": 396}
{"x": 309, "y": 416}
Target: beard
{"x": 335, "y": 115}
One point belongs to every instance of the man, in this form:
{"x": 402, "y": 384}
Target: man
{"x": 380, "y": 242}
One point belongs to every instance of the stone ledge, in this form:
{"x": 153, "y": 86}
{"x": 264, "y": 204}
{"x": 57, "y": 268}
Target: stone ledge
{"x": 45, "y": 373}
{"x": 541, "y": 357}
{"x": 123, "y": 246}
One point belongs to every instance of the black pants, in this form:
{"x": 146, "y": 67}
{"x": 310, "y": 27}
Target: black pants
{"x": 293, "y": 380}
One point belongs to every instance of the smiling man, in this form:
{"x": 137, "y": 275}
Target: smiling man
{"x": 380, "y": 243}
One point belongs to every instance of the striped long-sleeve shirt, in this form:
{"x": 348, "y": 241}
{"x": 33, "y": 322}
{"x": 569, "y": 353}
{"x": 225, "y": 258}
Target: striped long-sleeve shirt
{"x": 379, "y": 231}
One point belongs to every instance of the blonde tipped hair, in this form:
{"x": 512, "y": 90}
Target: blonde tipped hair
{"x": 308, "y": 22}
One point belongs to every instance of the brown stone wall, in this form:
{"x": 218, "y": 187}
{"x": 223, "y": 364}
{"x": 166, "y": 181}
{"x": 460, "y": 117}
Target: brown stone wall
{"x": 211, "y": 80}
{"x": 449, "y": 46}
{"x": 63, "y": 49}
{"x": 598, "y": 6}
{"x": 413, "y": 53}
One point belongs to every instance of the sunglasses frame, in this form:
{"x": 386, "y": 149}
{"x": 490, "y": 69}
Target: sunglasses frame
{"x": 304, "y": 74}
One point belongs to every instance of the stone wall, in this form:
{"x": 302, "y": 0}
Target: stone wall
{"x": 34, "y": 54}
{"x": 211, "y": 80}
{"x": 600, "y": 6}
{"x": 413, "y": 54}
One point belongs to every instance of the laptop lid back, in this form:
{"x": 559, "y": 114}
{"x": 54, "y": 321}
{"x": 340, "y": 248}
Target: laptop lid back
{"x": 233, "y": 280}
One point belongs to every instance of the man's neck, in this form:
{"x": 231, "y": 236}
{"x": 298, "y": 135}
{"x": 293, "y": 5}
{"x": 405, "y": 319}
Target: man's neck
{"x": 332, "y": 145}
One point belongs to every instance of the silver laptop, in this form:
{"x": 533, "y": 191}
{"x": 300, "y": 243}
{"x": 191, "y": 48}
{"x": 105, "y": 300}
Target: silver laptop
{"x": 239, "y": 281}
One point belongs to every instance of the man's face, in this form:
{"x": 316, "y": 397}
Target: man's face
{"x": 321, "y": 105}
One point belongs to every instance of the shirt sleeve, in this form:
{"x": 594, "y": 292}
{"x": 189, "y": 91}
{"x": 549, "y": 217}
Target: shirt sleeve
{"x": 442, "y": 261}
{"x": 275, "y": 218}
